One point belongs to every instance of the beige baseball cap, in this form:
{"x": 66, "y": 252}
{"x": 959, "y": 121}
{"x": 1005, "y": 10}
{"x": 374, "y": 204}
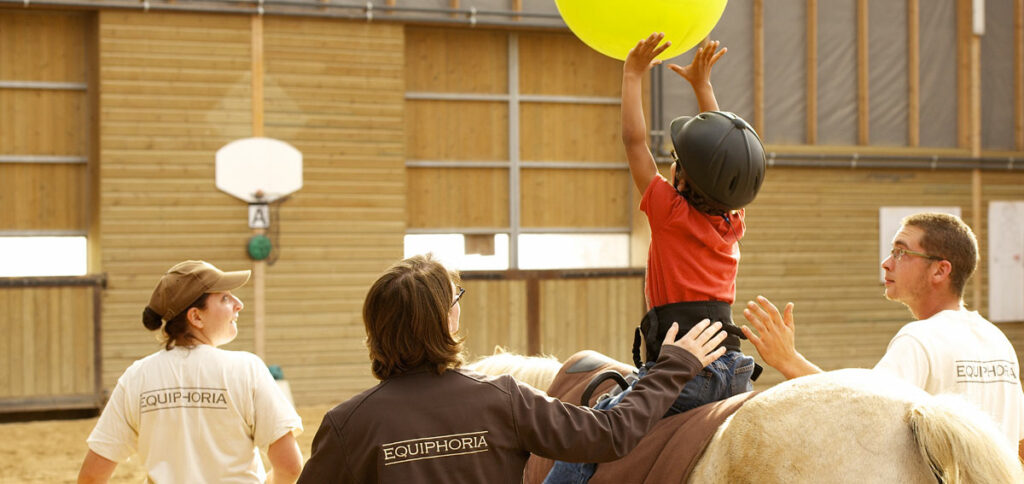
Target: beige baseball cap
{"x": 186, "y": 281}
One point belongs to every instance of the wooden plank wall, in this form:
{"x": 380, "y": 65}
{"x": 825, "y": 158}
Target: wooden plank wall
{"x": 438, "y": 61}
{"x": 46, "y": 352}
{"x": 457, "y": 131}
{"x": 548, "y": 64}
{"x": 335, "y": 90}
{"x": 493, "y": 314}
{"x": 176, "y": 87}
{"x": 590, "y": 313}
{"x": 582, "y": 312}
{"x": 558, "y": 64}
{"x": 43, "y": 47}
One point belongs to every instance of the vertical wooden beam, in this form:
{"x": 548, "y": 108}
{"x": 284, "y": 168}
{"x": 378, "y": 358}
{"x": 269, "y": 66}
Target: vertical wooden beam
{"x": 258, "y": 267}
{"x": 1018, "y": 72}
{"x": 812, "y": 72}
{"x": 913, "y": 73}
{"x": 759, "y": 66}
{"x": 94, "y": 261}
{"x": 974, "y": 110}
{"x": 863, "y": 96}
{"x": 975, "y": 93}
{"x": 517, "y": 6}
{"x": 257, "y": 75}
{"x": 97, "y": 340}
{"x": 453, "y": 4}
{"x": 976, "y": 222}
{"x": 963, "y": 78}
{"x": 533, "y": 346}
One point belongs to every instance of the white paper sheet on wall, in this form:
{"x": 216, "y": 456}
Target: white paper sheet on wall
{"x": 890, "y": 219}
{"x": 1006, "y": 261}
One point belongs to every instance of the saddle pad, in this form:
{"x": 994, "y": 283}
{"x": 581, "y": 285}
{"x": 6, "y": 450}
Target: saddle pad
{"x": 667, "y": 453}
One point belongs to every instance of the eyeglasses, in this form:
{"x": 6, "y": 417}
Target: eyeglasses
{"x": 459, "y": 291}
{"x": 897, "y": 254}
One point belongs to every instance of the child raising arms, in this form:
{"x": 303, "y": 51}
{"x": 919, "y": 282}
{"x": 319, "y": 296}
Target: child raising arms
{"x": 696, "y": 222}
{"x": 697, "y": 219}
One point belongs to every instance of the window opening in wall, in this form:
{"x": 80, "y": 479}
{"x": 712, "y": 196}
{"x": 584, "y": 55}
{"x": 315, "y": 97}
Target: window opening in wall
{"x": 464, "y": 252}
{"x": 536, "y": 250}
{"x": 42, "y": 256}
{"x": 573, "y": 251}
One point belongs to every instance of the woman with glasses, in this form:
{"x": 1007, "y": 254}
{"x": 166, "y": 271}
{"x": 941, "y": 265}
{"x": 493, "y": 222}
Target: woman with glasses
{"x": 429, "y": 420}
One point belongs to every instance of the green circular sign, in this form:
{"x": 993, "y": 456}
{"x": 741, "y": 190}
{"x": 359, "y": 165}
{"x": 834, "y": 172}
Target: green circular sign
{"x": 259, "y": 247}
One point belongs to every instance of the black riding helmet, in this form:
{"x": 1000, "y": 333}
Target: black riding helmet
{"x": 721, "y": 156}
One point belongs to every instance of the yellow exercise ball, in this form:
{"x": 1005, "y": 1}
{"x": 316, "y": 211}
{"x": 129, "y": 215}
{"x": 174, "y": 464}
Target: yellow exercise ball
{"x": 612, "y": 27}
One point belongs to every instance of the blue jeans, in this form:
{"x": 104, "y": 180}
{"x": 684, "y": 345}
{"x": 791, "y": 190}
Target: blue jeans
{"x": 723, "y": 378}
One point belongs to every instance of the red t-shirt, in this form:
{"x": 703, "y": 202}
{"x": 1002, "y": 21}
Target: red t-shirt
{"x": 694, "y": 256}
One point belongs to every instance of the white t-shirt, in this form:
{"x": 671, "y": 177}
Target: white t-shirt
{"x": 961, "y": 352}
{"x": 196, "y": 414}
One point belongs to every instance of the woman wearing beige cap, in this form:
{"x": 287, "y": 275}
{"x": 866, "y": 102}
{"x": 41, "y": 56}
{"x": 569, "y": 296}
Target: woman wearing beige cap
{"x": 193, "y": 412}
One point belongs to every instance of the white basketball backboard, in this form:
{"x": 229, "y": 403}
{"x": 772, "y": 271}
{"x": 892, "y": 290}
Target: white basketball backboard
{"x": 259, "y": 169}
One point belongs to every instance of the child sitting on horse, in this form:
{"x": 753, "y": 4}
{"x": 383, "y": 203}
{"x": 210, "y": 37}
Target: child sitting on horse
{"x": 696, "y": 222}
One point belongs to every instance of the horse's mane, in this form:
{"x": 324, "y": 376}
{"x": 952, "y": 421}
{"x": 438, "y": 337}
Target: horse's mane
{"x": 536, "y": 371}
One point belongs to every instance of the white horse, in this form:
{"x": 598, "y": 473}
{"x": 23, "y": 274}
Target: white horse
{"x": 855, "y": 425}
{"x": 536, "y": 371}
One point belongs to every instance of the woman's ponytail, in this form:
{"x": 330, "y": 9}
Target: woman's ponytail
{"x": 151, "y": 319}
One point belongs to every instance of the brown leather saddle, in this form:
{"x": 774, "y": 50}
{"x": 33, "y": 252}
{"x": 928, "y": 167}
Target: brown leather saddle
{"x": 667, "y": 453}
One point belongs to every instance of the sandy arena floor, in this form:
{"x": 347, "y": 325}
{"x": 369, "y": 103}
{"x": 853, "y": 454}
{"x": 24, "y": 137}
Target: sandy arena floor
{"x": 52, "y": 451}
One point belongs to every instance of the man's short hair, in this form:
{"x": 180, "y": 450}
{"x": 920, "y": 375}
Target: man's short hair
{"x": 406, "y": 318}
{"x": 948, "y": 237}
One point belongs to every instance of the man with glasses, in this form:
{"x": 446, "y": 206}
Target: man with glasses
{"x": 948, "y": 349}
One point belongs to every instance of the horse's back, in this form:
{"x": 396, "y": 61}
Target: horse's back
{"x": 666, "y": 454}
{"x": 840, "y": 426}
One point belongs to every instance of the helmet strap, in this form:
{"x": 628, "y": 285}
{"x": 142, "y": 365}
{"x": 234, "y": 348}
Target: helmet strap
{"x": 696, "y": 200}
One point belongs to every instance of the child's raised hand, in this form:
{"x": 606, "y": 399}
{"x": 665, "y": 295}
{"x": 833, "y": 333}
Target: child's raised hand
{"x": 641, "y": 57}
{"x": 699, "y": 70}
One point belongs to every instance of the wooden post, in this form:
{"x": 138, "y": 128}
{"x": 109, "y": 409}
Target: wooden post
{"x": 258, "y": 267}
{"x": 97, "y": 340}
{"x": 975, "y": 99}
{"x": 913, "y": 73}
{"x": 974, "y": 115}
{"x": 812, "y": 72}
{"x": 533, "y": 343}
{"x": 1018, "y": 72}
{"x": 963, "y": 34}
{"x": 976, "y": 209}
{"x": 863, "y": 87}
{"x": 759, "y": 66}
